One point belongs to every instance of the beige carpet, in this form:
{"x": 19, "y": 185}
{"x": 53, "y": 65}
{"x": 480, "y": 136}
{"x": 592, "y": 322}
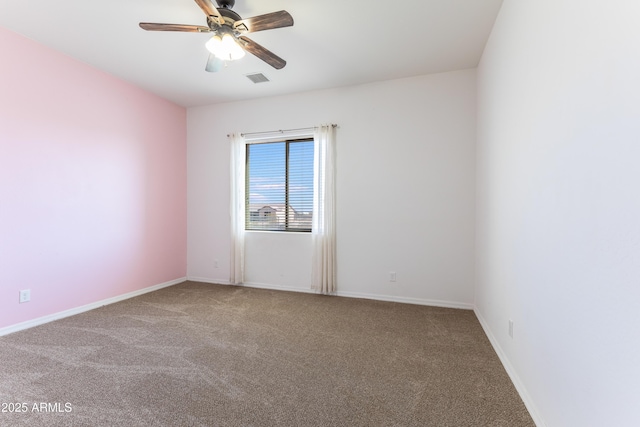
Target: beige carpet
{"x": 209, "y": 355}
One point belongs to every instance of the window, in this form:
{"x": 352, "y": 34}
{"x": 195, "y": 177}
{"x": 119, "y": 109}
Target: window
{"x": 279, "y": 185}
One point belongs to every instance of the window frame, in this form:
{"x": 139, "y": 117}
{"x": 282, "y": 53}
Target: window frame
{"x": 287, "y": 228}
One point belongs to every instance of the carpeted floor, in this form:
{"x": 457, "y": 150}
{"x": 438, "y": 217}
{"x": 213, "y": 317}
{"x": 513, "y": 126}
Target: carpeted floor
{"x": 209, "y": 355}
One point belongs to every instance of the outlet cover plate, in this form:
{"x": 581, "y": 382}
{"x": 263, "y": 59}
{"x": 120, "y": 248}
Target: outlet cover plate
{"x": 25, "y": 295}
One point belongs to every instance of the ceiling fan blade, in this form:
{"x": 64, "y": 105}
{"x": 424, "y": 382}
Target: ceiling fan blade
{"x": 214, "y": 64}
{"x": 150, "y": 26}
{"x": 268, "y": 21}
{"x": 210, "y": 10}
{"x": 266, "y": 55}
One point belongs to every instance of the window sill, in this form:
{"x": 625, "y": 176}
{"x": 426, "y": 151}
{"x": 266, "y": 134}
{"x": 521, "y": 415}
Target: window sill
{"x": 284, "y": 233}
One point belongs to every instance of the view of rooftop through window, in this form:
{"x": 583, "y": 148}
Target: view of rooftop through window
{"x": 280, "y": 186}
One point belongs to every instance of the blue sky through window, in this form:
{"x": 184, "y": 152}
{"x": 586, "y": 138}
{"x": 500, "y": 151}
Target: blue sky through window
{"x": 266, "y": 172}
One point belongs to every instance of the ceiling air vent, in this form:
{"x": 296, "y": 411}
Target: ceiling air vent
{"x": 257, "y": 78}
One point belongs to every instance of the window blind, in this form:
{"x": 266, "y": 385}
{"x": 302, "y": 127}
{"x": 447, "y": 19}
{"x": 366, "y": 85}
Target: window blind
{"x": 279, "y": 185}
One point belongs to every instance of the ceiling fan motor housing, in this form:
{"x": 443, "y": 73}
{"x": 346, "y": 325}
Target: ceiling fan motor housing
{"x": 229, "y": 14}
{"x": 226, "y": 4}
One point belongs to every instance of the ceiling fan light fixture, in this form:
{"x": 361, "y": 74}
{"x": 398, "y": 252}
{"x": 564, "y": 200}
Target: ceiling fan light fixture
{"x": 225, "y": 48}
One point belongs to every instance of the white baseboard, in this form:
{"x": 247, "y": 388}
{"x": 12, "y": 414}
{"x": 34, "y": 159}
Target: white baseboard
{"x": 73, "y": 311}
{"x": 377, "y": 297}
{"x": 277, "y": 287}
{"x": 206, "y": 280}
{"x": 515, "y": 379}
{"x": 250, "y": 285}
{"x": 408, "y": 300}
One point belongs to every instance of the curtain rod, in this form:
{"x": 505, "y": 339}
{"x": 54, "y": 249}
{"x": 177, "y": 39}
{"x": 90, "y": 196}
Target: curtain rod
{"x": 284, "y": 130}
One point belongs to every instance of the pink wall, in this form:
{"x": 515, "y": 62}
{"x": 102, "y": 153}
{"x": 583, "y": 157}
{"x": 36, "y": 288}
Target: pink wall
{"x": 92, "y": 184}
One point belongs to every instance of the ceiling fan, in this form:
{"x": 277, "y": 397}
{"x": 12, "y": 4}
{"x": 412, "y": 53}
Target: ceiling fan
{"x": 229, "y": 41}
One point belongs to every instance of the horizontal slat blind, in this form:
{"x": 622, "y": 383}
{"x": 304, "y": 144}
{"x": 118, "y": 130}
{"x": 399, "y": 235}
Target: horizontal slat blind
{"x": 300, "y": 184}
{"x": 279, "y": 193}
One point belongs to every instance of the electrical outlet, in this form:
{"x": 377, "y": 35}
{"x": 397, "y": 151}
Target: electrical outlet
{"x": 511, "y": 328}
{"x": 392, "y": 276}
{"x": 25, "y": 295}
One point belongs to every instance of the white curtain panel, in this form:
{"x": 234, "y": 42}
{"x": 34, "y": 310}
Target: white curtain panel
{"x": 323, "y": 267}
{"x": 237, "y": 207}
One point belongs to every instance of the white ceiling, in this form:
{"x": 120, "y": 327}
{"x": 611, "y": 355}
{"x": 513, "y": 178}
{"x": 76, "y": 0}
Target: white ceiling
{"x": 332, "y": 43}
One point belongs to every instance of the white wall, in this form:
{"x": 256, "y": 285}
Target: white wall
{"x": 559, "y": 207}
{"x": 405, "y": 181}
